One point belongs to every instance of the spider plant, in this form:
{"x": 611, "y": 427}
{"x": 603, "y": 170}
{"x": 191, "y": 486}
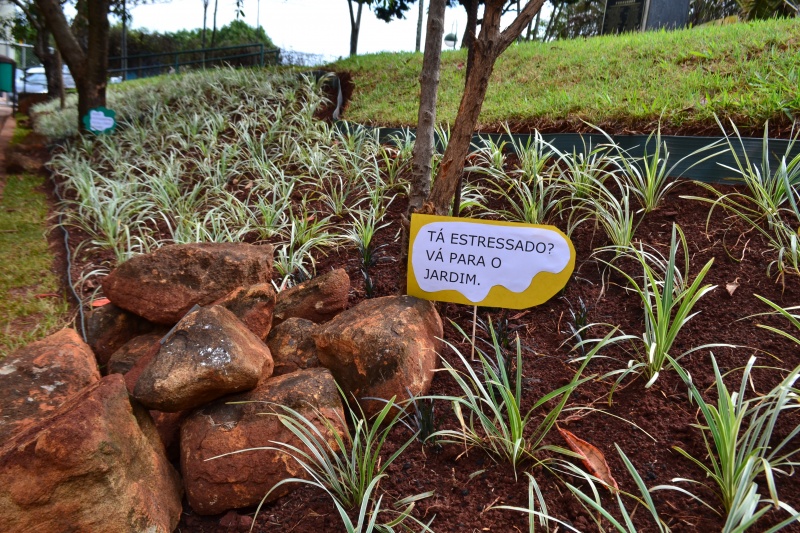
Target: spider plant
{"x": 668, "y": 298}
{"x": 532, "y": 202}
{"x": 592, "y": 501}
{"x": 586, "y": 171}
{"x": 490, "y": 157}
{"x": 612, "y": 212}
{"x": 649, "y": 177}
{"x": 294, "y": 264}
{"x": 534, "y": 155}
{"x": 490, "y": 411}
{"x": 741, "y": 448}
{"x": 347, "y": 466}
{"x": 786, "y": 312}
{"x": 361, "y": 234}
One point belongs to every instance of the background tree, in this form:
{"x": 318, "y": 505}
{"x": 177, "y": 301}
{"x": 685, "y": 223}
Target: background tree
{"x": 702, "y": 11}
{"x": 764, "y": 9}
{"x": 83, "y": 46}
{"x": 31, "y": 27}
{"x": 575, "y": 18}
{"x": 205, "y": 17}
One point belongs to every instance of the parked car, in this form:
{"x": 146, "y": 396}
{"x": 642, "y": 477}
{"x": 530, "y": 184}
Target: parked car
{"x": 33, "y": 80}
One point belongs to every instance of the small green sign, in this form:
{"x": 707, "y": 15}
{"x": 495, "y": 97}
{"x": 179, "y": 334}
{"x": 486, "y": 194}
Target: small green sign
{"x": 100, "y": 120}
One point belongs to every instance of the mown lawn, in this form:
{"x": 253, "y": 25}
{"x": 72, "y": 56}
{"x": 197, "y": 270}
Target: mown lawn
{"x": 747, "y": 72}
{"x": 31, "y": 305}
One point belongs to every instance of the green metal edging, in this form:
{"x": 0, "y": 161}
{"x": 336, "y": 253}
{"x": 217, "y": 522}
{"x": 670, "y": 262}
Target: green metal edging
{"x": 684, "y": 151}
{"x": 707, "y": 159}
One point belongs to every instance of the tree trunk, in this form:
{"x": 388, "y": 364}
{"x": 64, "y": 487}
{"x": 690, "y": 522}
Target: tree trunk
{"x": 551, "y": 23}
{"x": 355, "y": 26}
{"x": 487, "y": 47}
{"x": 88, "y": 65}
{"x": 470, "y": 31}
{"x": 50, "y": 62}
{"x": 426, "y": 124}
{"x": 205, "y": 18}
{"x": 426, "y": 119}
{"x": 205, "y": 25}
{"x": 419, "y": 24}
{"x": 214, "y": 31}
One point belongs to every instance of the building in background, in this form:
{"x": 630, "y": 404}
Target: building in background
{"x": 642, "y": 15}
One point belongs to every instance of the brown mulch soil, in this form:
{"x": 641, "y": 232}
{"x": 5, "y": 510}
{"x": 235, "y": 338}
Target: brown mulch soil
{"x": 646, "y": 423}
{"x": 466, "y": 485}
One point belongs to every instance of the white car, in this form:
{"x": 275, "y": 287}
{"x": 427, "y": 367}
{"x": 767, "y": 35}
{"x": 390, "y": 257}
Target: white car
{"x": 34, "y": 80}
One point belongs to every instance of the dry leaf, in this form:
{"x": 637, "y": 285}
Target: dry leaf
{"x": 100, "y": 302}
{"x": 593, "y": 459}
{"x": 732, "y": 286}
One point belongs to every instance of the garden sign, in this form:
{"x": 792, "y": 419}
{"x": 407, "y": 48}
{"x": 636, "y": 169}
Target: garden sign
{"x": 487, "y": 263}
{"x": 100, "y": 120}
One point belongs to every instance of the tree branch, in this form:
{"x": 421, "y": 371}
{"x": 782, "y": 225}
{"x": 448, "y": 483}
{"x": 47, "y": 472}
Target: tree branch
{"x": 523, "y": 19}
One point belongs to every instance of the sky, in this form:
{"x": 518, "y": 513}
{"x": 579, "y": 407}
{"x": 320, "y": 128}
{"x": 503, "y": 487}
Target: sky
{"x": 310, "y": 26}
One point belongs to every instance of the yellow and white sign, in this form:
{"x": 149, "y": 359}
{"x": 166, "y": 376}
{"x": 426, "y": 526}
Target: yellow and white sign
{"x": 487, "y": 263}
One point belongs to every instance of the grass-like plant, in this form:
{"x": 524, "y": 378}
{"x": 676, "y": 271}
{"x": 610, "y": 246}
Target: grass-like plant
{"x": 531, "y": 202}
{"x": 347, "y": 466}
{"x": 361, "y": 234}
{"x": 668, "y": 296}
{"x": 592, "y": 501}
{"x": 490, "y": 411}
{"x": 585, "y": 171}
{"x": 769, "y": 205}
{"x": 742, "y": 449}
{"x": 612, "y": 211}
{"x": 786, "y": 312}
{"x": 649, "y": 177}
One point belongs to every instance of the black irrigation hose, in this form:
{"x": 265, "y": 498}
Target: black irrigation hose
{"x": 61, "y": 225}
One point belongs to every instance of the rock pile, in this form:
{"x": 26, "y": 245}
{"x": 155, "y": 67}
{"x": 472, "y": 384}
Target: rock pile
{"x": 191, "y": 329}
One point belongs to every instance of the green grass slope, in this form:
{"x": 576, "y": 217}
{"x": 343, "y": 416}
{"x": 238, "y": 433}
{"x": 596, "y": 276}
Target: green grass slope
{"x": 747, "y": 72}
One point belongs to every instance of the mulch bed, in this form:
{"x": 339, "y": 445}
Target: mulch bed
{"x": 466, "y": 485}
{"x": 650, "y": 421}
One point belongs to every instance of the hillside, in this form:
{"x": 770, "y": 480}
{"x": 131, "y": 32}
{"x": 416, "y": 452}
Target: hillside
{"x": 747, "y": 72}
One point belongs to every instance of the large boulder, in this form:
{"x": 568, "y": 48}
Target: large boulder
{"x": 292, "y": 346}
{"x": 123, "y": 360}
{"x": 162, "y": 286}
{"x": 318, "y": 299}
{"x": 208, "y": 354}
{"x": 243, "y": 479}
{"x": 95, "y": 465}
{"x": 37, "y": 379}
{"x": 253, "y": 306}
{"x": 108, "y": 328}
{"x": 382, "y": 348}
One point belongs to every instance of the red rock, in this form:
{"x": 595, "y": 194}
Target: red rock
{"x": 37, "y": 379}
{"x": 292, "y": 346}
{"x": 382, "y": 348}
{"x": 317, "y": 300}
{"x": 125, "y": 358}
{"x": 253, "y": 306}
{"x": 168, "y": 426}
{"x": 108, "y": 328}
{"x": 209, "y": 354}
{"x": 164, "y": 285}
{"x": 94, "y": 465}
{"x": 243, "y": 479}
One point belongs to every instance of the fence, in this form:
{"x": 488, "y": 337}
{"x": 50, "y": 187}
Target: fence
{"x": 146, "y": 65}
{"x": 21, "y": 53}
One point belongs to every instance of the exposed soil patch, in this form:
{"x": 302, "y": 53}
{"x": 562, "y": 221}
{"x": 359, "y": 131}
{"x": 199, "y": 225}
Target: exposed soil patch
{"x": 467, "y": 484}
{"x": 644, "y": 423}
